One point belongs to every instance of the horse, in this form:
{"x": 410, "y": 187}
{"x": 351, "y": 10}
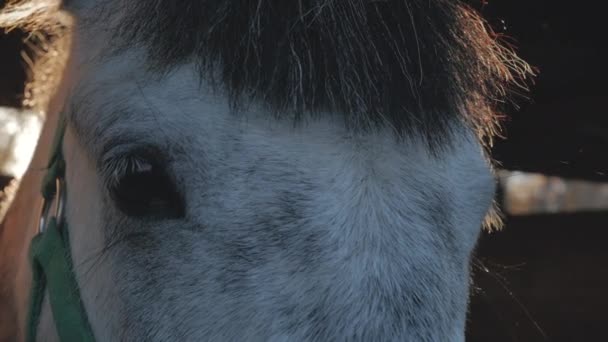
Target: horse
{"x": 269, "y": 170}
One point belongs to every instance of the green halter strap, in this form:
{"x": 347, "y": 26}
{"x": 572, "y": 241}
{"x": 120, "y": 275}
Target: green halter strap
{"x": 51, "y": 260}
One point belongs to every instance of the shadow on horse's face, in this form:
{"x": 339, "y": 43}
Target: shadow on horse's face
{"x": 189, "y": 221}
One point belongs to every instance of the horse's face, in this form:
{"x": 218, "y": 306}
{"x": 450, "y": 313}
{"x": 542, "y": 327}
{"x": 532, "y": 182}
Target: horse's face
{"x": 190, "y": 222}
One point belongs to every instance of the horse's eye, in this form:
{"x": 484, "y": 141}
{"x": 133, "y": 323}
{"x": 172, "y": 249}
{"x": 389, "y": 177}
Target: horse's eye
{"x": 144, "y": 190}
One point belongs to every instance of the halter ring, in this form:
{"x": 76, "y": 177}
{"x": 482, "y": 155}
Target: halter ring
{"x": 58, "y": 200}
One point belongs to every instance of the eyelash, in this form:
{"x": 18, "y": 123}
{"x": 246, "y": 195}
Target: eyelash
{"x": 115, "y": 169}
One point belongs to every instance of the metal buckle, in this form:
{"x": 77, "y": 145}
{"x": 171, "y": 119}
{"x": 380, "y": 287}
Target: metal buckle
{"x": 58, "y": 200}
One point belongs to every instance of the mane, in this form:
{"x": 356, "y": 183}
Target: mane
{"x": 415, "y": 65}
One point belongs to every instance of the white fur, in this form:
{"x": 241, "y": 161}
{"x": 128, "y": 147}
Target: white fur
{"x": 392, "y": 226}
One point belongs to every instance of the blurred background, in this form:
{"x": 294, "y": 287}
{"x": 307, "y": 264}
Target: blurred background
{"x": 544, "y": 276}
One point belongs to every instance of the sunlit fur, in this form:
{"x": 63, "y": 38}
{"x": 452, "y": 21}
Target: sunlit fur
{"x": 296, "y": 227}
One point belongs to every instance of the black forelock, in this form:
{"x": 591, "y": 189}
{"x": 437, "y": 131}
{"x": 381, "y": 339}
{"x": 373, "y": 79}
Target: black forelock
{"x": 417, "y": 65}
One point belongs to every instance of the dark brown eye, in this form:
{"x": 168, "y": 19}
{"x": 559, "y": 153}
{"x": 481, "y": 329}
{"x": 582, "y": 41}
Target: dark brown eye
{"x": 144, "y": 190}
